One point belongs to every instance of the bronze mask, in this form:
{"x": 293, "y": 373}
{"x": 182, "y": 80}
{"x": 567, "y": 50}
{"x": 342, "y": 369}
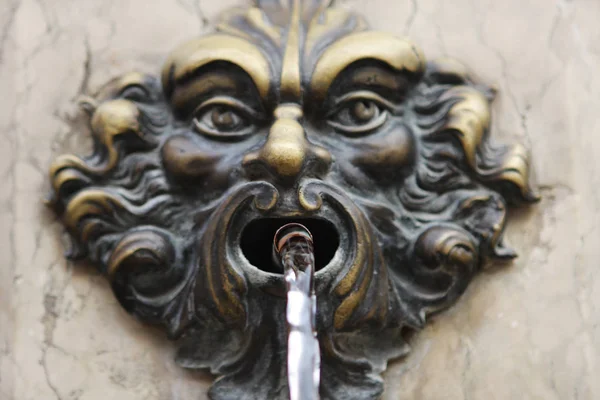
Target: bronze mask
{"x": 291, "y": 113}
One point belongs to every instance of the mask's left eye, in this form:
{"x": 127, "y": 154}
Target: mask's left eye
{"x": 224, "y": 118}
{"x": 359, "y": 113}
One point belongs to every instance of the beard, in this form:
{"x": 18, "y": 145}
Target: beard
{"x": 240, "y": 304}
{"x": 195, "y": 275}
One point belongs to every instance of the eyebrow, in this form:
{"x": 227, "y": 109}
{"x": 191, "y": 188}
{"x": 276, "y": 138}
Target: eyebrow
{"x": 398, "y": 54}
{"x": 376, "y": 76}
{"x": 190, "y": 91}
{"x": 198, "y": 53}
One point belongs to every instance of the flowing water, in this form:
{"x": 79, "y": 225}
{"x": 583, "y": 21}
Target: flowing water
{"x": 293, "y": 249}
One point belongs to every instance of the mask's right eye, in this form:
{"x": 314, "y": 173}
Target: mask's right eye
{"x": 224, "y": 118}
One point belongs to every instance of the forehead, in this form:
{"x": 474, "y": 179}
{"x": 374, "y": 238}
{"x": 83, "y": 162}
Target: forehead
{"x": 290, "y": 49}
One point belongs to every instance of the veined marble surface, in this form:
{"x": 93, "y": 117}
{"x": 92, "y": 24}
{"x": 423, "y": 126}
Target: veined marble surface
{"x": 527, "y": 331}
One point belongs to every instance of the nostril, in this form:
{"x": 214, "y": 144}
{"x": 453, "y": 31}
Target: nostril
{"x": 282, "y": 163}
{"x": 257, "y": 168}
{"x": 316, "y": 164}
{"x": 319, "y": 160}
{"x": 254, "y": 168}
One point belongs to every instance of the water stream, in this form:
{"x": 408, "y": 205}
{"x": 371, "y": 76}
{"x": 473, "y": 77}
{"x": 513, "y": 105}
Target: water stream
{"x": 294, "y": 252}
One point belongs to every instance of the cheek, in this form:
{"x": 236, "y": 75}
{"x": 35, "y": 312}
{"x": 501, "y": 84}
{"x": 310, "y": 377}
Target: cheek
{"x": 387, "y": 156}
{"x": 188, "y": 163}
{"x": 183, "y": 159}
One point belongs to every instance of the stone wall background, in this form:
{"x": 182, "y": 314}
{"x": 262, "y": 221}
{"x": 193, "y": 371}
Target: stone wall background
{"x": 528, "y": 331}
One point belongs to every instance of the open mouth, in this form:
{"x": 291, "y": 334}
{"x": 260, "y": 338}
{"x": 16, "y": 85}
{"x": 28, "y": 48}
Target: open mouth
{"x": 257, "y": 241}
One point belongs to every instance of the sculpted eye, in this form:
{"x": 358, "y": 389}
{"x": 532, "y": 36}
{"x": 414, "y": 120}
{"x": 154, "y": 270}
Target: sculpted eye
{"x": 219, "y": 118}
{"x": 359, "y": 112}
{"x": 135, "y": 93}
{"x": 223, "y": 118}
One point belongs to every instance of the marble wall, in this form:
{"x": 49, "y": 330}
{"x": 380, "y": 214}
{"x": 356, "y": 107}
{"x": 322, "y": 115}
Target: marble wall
{"x": 528, "y": 331}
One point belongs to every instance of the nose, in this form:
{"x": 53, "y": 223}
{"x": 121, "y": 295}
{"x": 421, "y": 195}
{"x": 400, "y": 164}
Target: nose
{"x": 287, "y": 155}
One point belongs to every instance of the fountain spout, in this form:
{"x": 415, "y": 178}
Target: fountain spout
{"x": 293, "y": 251}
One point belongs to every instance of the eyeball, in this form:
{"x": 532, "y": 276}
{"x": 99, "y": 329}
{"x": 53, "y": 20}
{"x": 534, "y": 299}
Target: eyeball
{"x": 359, "y": 113}
{"x": 224, "y": 119}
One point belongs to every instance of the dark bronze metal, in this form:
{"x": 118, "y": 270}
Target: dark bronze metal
{"x": 291, "y": 114}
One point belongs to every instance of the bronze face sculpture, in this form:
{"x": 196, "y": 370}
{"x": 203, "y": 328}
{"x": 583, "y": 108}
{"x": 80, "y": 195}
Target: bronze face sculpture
{"x": 291, "y": 113}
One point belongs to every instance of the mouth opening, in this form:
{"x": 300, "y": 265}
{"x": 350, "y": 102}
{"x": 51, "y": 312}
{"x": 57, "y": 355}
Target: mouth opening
{"x": 257, "y": 241}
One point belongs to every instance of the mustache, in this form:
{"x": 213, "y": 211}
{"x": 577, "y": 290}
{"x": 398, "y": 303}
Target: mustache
{"x": 265, "y": 197}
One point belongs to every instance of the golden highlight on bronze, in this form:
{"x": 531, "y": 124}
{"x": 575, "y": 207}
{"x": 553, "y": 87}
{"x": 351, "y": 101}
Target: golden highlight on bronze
{"x": 291, "y": 114}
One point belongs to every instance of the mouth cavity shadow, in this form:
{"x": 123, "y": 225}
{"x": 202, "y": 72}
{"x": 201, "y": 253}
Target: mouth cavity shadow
{"x": 257, "y": 241}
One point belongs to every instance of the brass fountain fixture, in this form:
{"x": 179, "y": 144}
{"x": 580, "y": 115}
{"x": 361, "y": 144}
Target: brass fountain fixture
{"x": 291, "y": 113}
